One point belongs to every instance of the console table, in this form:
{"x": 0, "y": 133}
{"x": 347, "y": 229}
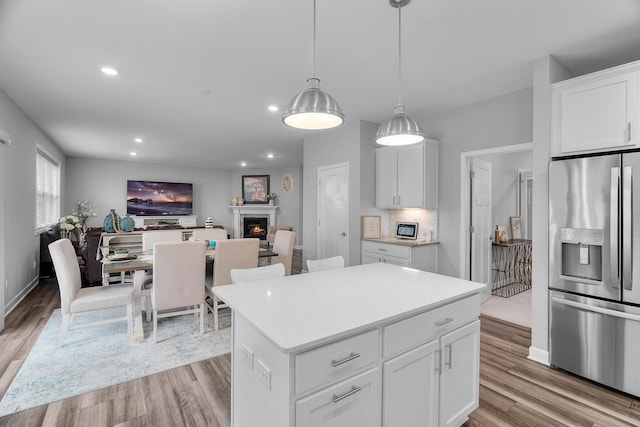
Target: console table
{"x": 511, "y": 267}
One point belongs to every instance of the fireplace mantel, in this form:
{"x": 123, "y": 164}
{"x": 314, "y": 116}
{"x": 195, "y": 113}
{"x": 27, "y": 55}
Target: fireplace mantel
{"x": 251, "y": 210}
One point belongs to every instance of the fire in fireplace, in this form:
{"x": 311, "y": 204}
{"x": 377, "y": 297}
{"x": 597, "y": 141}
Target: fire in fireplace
{"x": 255, "y": 227}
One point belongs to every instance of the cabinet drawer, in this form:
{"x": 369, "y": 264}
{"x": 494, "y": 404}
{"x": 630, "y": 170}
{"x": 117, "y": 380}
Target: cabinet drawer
{"x": 408, "y": 333}
{"x": 335, "y": 361}
{"x": 387, "y": 249}
{"x": 354, "y": 402}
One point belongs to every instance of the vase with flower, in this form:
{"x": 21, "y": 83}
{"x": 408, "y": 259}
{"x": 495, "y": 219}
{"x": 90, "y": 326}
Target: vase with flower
{"x": 67, "y": 225}
{"x": 271, "y": 197}
{"x": 83, "y": 211}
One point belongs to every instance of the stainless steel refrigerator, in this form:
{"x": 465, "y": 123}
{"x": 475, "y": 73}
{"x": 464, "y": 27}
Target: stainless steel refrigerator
{"x": 594, "y": 268}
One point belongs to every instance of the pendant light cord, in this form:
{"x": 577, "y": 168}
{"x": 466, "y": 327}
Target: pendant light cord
{"x": 314, "y": 39}
{"x": 399, "y": 54}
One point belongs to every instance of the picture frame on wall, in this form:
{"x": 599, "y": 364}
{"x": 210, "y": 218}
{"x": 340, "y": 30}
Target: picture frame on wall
{"x": 516, "y": 230}
{"x": 255, "y": 189}
{"x": 371, "y": 226}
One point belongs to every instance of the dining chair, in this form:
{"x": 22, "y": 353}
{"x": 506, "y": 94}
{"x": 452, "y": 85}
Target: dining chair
{"x": 230, "y": 254}
{"x": 258, "y": 273}
{"x": 75, "y": 299}
{"x": 178, "y": 281}
{"x": 283, "y": 246}
{"x": 210, "y": 234}
{"x": 271, "y": 236}
{"x": 325, "y": 263}
{"x": 149, "y": 238}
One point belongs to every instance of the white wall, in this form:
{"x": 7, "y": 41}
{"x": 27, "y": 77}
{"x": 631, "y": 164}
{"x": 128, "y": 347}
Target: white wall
{"x": 499, "y": 121}
{"x": 20, "y": 244}
{"x": 505, "y": 184}
{"x": 290, "y": 205}
{"x": 353, "y": 142}
{"x": 104, "y": 184}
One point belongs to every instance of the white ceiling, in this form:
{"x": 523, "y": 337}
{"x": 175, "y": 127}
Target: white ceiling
{"x": 197, "y": 75}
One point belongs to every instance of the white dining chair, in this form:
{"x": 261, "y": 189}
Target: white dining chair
{"x": 178, "y": 281}
{"x": 230, "y": 254}
{"x": 258, "y": 273}
{"x": 325, "y": 263}
{"x": 283, "y": 246}
{"x": 210, "y": 234}
{"x": 75, "y": 299}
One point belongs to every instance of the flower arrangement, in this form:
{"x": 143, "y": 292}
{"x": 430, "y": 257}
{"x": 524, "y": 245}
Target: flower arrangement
{"x": 271, "y": 196}
{"x": 83, "y": 211}
{"x": 67, "y": 224}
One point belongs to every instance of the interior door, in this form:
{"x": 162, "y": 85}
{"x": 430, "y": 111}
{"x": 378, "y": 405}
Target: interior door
{"x": 525, "y": 199}
{"x": 480, "y": 227}
{"x": 333, "y": 211}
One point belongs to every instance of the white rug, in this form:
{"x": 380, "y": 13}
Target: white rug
{"x": 97, "y": 357}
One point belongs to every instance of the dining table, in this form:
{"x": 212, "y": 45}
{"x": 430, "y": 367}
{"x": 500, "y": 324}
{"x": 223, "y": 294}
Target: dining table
{"x": 138, "y": 264}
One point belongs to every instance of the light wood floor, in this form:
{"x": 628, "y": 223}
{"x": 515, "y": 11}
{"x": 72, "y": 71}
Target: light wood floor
{"x": 513, "y": 390}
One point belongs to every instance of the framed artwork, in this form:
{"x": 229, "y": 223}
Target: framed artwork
{"x": 255, "y": 188}
{"x": 371, "y": 228}
{"x": 516, "y": 232}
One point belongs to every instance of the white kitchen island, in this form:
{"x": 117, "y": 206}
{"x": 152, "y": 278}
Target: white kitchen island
{"x": 369, "y": 345}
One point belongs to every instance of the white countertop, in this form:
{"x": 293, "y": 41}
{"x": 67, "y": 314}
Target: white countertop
{"x": 403, "y": 242}
{"x": 302, "y": 311}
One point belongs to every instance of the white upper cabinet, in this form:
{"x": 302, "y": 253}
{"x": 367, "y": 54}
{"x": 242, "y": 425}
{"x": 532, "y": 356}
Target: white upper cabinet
{"x": 596, "y": 112}
{"x": 407, "y": 177}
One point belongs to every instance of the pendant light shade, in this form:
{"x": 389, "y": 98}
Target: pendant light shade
{"x": 399, "y": 129}
{"x": 313, "y": 108}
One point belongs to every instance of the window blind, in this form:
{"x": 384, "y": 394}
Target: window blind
{"x": 47, "y": 191}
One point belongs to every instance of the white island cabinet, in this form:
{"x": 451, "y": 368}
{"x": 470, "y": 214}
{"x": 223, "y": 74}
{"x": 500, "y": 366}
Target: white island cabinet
{"x": 370, "y": 345}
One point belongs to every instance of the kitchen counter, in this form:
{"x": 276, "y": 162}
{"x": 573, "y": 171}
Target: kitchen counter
{"x": 344, "y": 347}
{"x": 404, "y": 242}
{"x": 302, "y": 311}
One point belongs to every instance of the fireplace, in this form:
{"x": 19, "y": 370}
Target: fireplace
{"x": 255, "y": 227}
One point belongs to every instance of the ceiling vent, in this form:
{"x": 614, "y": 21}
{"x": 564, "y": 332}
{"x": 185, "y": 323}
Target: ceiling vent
{"x": 5, "y": 138}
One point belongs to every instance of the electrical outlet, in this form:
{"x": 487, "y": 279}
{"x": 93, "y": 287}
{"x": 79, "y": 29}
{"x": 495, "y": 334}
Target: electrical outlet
{"x": 35, "y": 263}
{"x": 6, "y": 283}
{"x": 264, "y": 374}
{"x": 247, "y": 355}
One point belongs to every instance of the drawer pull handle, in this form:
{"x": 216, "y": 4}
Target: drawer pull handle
{"x": 382, "y": 250}
{"x": 444, "y": 322}
{"x": 353, "y": 390}
{"x": 349, "y": 358}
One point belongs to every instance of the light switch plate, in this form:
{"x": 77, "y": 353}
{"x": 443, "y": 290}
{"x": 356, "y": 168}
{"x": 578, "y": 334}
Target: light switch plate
{"x": 247, "y": 355}
{"x": 264, "y": 374}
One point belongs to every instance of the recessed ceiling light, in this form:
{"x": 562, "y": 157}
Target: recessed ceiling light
{"x": 109, "y": 71}
{"x": 243, "y": 164}
{"x": 138, "y": 140}
{"x": 133, "y": 153}
{"x": 273, "y": 108}
{"x": 270, "y": 156}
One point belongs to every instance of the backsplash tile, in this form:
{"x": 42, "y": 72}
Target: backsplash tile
{"x": 427, "y": 218}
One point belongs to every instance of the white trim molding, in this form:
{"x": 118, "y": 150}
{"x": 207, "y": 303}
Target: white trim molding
{"x": 538, "y": 355}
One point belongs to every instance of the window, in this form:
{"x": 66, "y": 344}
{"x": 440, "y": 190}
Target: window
{"x": 47, "y": 190}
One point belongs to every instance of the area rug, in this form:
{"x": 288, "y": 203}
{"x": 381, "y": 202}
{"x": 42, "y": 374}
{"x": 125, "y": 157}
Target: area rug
{"x": 101, "y": 356}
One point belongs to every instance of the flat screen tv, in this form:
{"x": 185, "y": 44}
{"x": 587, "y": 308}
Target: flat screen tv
{"x": 154, "y": 198}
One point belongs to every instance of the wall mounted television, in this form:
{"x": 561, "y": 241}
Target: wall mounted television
{"x": 153, "y": 198}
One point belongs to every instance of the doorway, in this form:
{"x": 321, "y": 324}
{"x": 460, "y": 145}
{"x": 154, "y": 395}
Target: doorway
{"x": 511, "y": 193}
{"x": 333, "y": 211}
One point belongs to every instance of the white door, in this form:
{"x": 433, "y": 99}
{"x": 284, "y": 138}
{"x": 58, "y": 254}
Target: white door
{"x": 525, "y": 201}
{"x": 333, "y": 211}
{"x": 480, "y": 228}
{"x": 459, "y": 381}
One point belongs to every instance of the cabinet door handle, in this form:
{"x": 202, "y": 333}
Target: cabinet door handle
{"x": 448, "y": 350}
{"x": 353, "y": 390}
{"x": 629, "y": 132}
{"x": 399, "y": 203}
{"x": 349, "y": 358}
{"x": 444, "y": 322}
{"x": 394, "y": 201}
{"x": 382, "y": 250}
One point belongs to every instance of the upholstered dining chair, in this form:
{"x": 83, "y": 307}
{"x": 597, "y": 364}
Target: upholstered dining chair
{"x": 75, "y": 299}
{"x": 271, "y": 236}
{"x": 325, "y": 263}
{"x": 178, "y": 281}
{"x": 258, "y": 273}
{"x": 210, "y": 234}
{"x": 283, "y": 246}
{"x": 149, "y": 238}
{"x": 230, "y": 254}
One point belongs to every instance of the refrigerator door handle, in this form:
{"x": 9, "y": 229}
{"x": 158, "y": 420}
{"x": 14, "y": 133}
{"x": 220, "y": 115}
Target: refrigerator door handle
{"x": 627, "y": 227}
{"x": 596, "y": 309}
{"x": 613, "y": 231}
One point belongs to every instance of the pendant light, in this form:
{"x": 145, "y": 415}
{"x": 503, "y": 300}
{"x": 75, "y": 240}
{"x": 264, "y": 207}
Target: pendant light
{"x": 313, "y": 108}
{"x": 399, "y": 129}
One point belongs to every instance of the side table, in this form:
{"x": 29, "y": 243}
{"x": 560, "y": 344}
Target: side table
{"x": 511, "y": 267}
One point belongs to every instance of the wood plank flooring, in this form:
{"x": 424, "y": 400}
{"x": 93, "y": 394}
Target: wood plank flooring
{"x": 514, "y": 391}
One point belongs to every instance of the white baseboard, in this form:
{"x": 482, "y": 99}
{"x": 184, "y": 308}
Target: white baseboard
{"x": 14, "y": 302}
{"x": 538, "y": 355}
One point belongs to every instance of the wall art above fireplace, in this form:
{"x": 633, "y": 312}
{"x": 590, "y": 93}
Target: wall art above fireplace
{"x": 255, "y": 189}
